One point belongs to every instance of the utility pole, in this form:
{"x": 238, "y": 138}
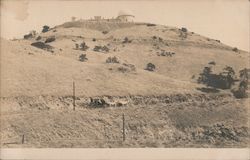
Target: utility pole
{"x": 123, "y": 127}
{"x": 74, "y": 97}
{"x": 23, "y": 139}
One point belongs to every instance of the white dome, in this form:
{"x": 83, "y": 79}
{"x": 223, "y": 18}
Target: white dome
{"x": 125, "y": 12}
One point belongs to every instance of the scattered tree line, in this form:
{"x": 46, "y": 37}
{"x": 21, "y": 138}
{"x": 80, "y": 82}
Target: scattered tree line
{"x": 226, "y": 79}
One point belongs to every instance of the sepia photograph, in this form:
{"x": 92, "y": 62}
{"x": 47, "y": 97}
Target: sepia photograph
{"x": 122, "y": 74}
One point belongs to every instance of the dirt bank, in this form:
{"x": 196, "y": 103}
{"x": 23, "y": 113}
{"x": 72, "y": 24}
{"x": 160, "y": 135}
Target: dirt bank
{"x": 181, "y": 120}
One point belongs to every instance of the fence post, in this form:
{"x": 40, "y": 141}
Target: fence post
{"x": 23, "y": 139}
{"x": 123, "y": 127}
{"x": 74, "y": 98}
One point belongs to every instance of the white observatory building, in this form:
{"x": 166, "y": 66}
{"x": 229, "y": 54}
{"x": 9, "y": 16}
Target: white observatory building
{"x": 125, "y": 16}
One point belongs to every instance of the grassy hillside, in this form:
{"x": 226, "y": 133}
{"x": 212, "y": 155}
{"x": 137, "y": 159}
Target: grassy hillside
{"x": 146, "y": 72}
{"x": 32, "y": 71}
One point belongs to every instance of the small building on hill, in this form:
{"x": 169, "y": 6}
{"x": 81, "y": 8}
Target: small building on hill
{"x": 125, "y": 16}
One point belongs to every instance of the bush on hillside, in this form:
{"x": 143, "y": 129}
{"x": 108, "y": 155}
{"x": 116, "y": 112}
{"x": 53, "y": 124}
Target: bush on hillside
{"x": 212, "y": 63}
{"x": 38, "y": 38}
{"x": 223, "y": 80}
{"x": 105, "y": 32}
{"x": 184, "y": 29}
{"x": 28, "y": 36}
{"x": 112, "y": 60}
{"x": 235, "y": 49}
{"x": 104, "y": 49}
{"x": 83, "y": 46}
{"x": 150, "y": 24}
{"x": 50, "y": 39}
{"x": 83, "y": 57}
{"x": 45, "y": 28}
{"x": 126, "y": 40}
{"x": 241, "y": 91}
{"x": 150, "y": 67}
{"x": 43, "y": 46}
{"x": 31, "y": 34}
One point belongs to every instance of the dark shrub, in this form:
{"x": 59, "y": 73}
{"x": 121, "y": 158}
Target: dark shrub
{"x": 105, "y": 32}
{"x": 38, "y": 38}
{"x": 235, "y": 49}
{"x": 126, "y": 40}
{"x": 101, "y": 49}
{"x": 83, "y": 58}
{"x": 50, "y": 39}
{"x": 184, "y": 29}
{"x": 77, "y": 46}
{"x": 45, "y": 29}
{"x": 112, "y": 60}
{"x": 160, "y": 39}
{"x": 223, "y": 80}
{"x": 150, "y": 24}
{"x": 42, "y": 45}
{"x": 150, "y": 67}
{"x": 28, "y": 36}
{"x": 83, "y": 46}
{"x": 241, "y": 92}
{"x": 212, "y": 63}
{"x": 93, "y": 39}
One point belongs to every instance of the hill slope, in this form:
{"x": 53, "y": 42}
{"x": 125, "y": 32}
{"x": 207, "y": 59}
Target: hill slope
{"x": 32, "y": 71}
{"x": 162, "y": 108}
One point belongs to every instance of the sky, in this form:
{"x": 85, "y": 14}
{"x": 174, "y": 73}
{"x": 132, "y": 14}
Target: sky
{"x": 225, "y": 20}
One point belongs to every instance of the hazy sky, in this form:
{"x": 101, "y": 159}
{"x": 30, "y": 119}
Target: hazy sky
{"x": 226, "y": 20}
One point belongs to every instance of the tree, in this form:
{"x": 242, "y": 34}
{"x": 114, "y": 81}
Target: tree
{"x": 228, "y": 75}
{"x": 241, "y": 91}
{"x": 223, "y": 80}
{"x": 45, "y": 28}
{"x": 83, "y": 57}
{"x": 205, "y": 75}
{"x": 150, "y": 67}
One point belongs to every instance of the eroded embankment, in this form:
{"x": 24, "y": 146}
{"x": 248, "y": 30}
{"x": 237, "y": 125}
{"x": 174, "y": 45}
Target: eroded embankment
{"x": 66, "y": 102}
{"x": 181, "y": 120}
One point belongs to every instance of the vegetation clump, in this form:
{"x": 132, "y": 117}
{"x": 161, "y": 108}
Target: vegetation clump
{"x": 184, "y": 29}
{"x": 150, "y": 67}
{"x": 165, "y": 53}
{"x": 103, "y": 49}
{"x": 38, "y": 38}
{"x": 223, "y": 80}
{"x": 45, "y": 28}
{"x": 112, "y": 60}
{"x": 105, "y": 32}
{"x": 82, "y": 46}
{"x": 126, "y": 40}
{"x": 212, "y": 63}
{"x": 150, "y": 24}
{"x": 31, "y": 34}
{"x": 235, "y": 49}
{"x": 83, "y": 57}
{"x": 43, "y": 46}
{"x": 50, "y": 39}
{"x": 242, "y": 88}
